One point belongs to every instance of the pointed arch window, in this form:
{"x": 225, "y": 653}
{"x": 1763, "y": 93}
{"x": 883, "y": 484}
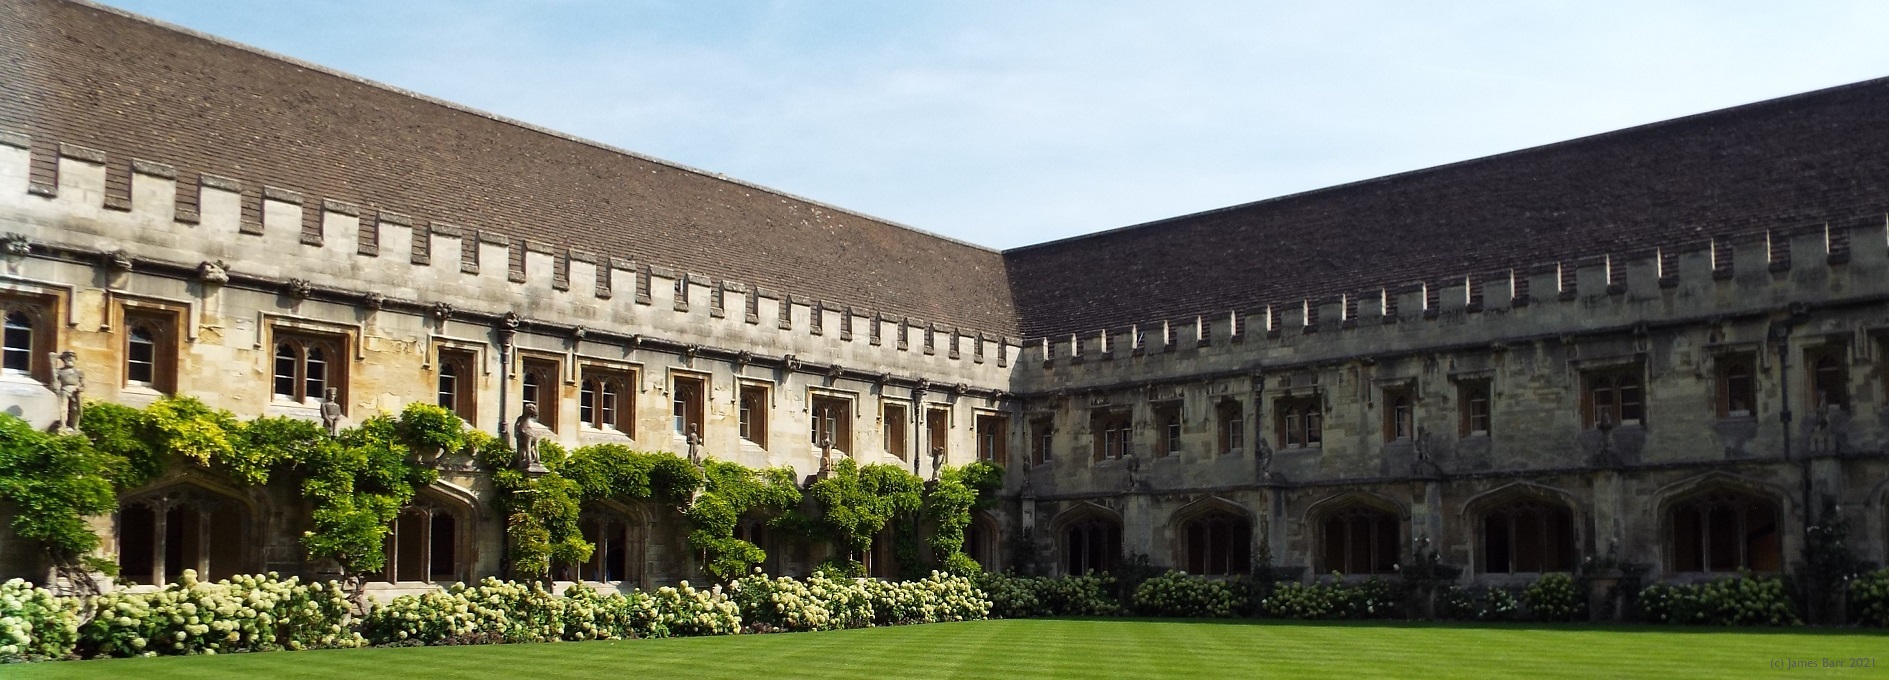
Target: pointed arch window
{"x": 1091, "y": 544}
{"x": 26, "y": 337}
{"x": 1725, "y": 531}
{"x": 1527, "y": 536}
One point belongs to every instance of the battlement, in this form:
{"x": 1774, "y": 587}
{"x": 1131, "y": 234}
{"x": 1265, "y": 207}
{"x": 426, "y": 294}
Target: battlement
{"x": 151, "y": 212}
{"x": 1748, "y": 274}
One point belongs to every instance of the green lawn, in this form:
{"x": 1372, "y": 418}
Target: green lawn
{"x": 1067, "y": 648}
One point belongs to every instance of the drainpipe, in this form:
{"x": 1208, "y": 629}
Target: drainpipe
{"x": 1780, "y": 335}
{"x": 507, "y": 330}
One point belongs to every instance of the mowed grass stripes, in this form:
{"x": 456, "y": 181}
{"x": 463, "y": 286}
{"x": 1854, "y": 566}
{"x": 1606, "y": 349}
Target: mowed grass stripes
{"x": 1067, "y": 648}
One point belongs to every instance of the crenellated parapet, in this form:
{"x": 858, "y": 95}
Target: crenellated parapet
{"x": 77, "y": 201}
{"x": 1745, "y": 276}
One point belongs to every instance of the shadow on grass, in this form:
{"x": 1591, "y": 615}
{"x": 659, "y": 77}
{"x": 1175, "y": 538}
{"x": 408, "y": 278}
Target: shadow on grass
{"x": 1485, "y": 625}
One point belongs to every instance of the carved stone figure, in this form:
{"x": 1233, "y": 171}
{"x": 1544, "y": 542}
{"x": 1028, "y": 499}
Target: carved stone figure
{"x": 213, "y": 272}
{"x": 695, "y": 446}
{"x": 937, "y": 462}
{"x": 331, "y": 412}
{"x": 526, "y": 433}
{"x": 69, "y": 382}
{"x": 826, "y": 456}
{"x": 1133, "y": 465}
{"x": 1262, "y": 458}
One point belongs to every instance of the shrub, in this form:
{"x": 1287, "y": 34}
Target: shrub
{"x": 1372, "y": 599}
{"x": 1869, "y": 597}
{"x": 1499, "y": 605}
{"x": 242, "y": 614}
{"x": 1178, "y": 594}
{"x": 1553, "y": 598}
{"x": 823, "y": 603}
{"x": 1731, "y": 601}
{"x": 1017, "y": 597}
{"x": 34, "y": 625}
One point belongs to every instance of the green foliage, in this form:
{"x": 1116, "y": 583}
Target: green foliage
{"x": 1372, "y": 599}
{"x": 821, "y": 602}
{"x": 1869, "y": 598}
{"x": 185, "y": 427}
{"x": 1178, "y": 594}
{"x": 1741, "y": 600}
{"x": 948, "y": 506}
{"x": 1016, "y": 597}
{"x": 857, "y": 501}
{"x": 124, "y": 432}
{"x": 1553, "y": 597}
{"x": 431, "y": 430}
{"x": 53, "y": 482}
{"x": 358, "y": 482}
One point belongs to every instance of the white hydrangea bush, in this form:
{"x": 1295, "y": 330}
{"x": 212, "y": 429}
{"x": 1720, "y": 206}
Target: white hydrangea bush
{"x": 822, "y": 603}
{"x": 35, "y": 625}
{"x": 251, "y": 613}
{"x": 686, "y": 610}
{"x": 1178, "y": 594}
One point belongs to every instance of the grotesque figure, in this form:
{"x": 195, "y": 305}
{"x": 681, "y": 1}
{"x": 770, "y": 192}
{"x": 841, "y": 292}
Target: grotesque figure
{"x": 526, "y": 433}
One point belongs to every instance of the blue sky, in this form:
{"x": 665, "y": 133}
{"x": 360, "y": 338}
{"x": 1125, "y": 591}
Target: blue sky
{"x": 1010, "y": 123}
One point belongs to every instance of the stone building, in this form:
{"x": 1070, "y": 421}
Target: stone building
{"x": 1658, "y": 348}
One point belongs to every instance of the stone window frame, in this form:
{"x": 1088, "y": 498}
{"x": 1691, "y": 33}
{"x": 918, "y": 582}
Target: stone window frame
{"x": 693, "y": 410}
{"x": 840, "y": 409}
{"x": 752, "y": 416}
{"x": 1472, "y": 389}
{"x": 1397, "y": 402}
{"x": 992, "y": 447}
{"x": 1621, "y": 381}
{"x": 626, "y": 377}
{"x": 1112, "y": 429}
{"x": 1383, "y": 544}
{"x": 205, "y": 499}
{"x": 1543, "y": 511}
{"x": 164, "y": 321}
{"x": 1042, "y": 439}
{"x": 1202, "y": 535}
{"x": 302, "y": 339}
{"x": 1230, "y": 426}
{"x": 1825, "y": 369}
{"x": 903, "y": 426}
{"x": 939, "y": 421}
{"x": 1725, "y": 391}
{"x": 41, "y": 309}
{"x": 1170, "y": 427}
{"x": 539, "y": 372}
{"x": 598, "y": 523}
{"x": 1302, "y": 412}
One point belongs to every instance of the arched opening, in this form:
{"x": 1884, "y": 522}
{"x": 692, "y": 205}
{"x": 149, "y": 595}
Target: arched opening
{"x": 980, "y": 541}
{"x": 1725, "y": 530}
{"x": 1091, "y": 541}
{"x": 427, "y": 543}
{"x": 160, "y": 534}
{"x": 1525, "y": 535}
{"x": 1359, "y": 538}
{"x": 1217, "y": 543}
{"x": 620, "y": 542}
{"x": 755, "y": 530}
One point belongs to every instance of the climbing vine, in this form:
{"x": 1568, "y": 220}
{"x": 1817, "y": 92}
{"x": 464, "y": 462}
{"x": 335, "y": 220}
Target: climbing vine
{"x": 948, "y": 505}
{"x": 542, "y": 513}
{"x": 53, "y": 482}
{"x": 857, "y": 501}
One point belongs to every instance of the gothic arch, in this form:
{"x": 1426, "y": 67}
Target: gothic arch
{"x": 1357, "y": 532}
{"x": 1718, "y": 522}
{"x": 432, "y": 540}
{"x": 1088, "y": 538}
{"x": 190, "y": 520}
{"x": 1212, "y": 536}
{"x": 983, "y": 540}
{"x": 620, "y": 533}
{"x": 1522, "y": 527}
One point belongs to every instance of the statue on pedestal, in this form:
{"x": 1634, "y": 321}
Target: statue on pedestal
{"x": 526, "y": 433}
{"x": 826, "y": 456}
{"x": 69, "y": 383}
{"x": 695, "y": 446}
{"x": 331, "y": 412}
{"x": 937, "y": 461}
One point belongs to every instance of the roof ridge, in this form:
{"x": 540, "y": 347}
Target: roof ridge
{"x": 462, "y": 108}
{"x": 1619, "y": 132}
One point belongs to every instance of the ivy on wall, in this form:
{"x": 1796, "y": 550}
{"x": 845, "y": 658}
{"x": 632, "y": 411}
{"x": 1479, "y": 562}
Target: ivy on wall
{"x": 358, "y": 481}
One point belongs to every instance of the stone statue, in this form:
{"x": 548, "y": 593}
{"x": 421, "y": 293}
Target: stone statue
{"x": 69, "y": 382}
{"x": 213, "y": 272}
{"x": 1262, "y": 458}
{"x": 826, "y": 455}
{"x": 526, "y": 432}
{"x": 695, "y": 446}
{"x": 331, "y": 412}
{"x": 1133, "y": 465}
{"x": 937, "y": 462}
{"x": 1820, "y": 439}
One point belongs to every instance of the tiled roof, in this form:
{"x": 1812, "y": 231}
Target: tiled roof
{"x": 1783, "y": 163}
{"x": 135, "y": 88}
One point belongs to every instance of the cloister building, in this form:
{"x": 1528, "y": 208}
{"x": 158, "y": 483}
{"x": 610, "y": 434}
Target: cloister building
{"x": 1661, "y": 346}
